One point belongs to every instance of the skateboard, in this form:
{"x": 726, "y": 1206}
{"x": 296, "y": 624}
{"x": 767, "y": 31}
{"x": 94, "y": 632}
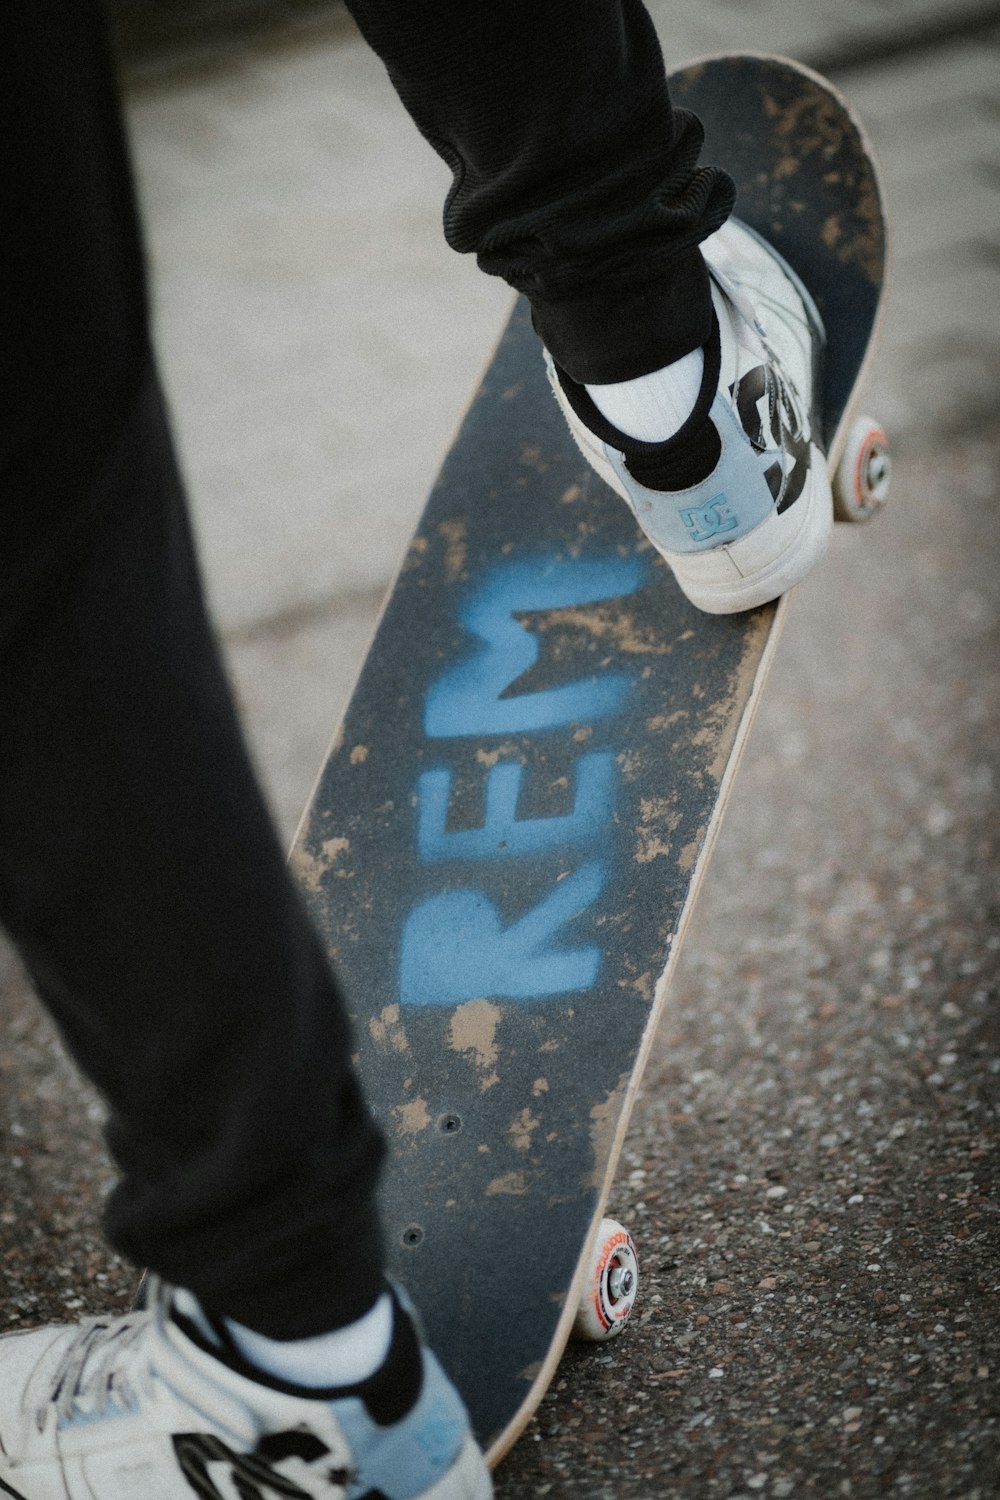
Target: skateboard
{"x": 505, "y": 843}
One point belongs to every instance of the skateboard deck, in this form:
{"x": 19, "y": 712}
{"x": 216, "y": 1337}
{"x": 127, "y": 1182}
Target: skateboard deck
{"x": 506, "y": 840}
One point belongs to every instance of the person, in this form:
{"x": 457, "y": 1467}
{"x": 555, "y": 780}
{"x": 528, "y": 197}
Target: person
{"x": 139, "y": 874}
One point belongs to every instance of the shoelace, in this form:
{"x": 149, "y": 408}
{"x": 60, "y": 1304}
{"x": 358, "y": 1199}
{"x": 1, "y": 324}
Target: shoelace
{"x": 91, "y": 1372}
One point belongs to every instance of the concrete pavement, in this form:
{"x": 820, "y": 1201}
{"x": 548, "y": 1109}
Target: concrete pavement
{"x": 812, "y": 1171}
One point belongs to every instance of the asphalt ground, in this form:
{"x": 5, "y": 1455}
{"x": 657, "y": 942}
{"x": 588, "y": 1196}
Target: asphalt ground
{"x": 811, "y": 1174}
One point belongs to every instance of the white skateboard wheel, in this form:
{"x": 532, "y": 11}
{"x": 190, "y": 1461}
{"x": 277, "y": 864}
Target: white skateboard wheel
{"x": 611, "y": 1285}
{"x": 861, "y": 483}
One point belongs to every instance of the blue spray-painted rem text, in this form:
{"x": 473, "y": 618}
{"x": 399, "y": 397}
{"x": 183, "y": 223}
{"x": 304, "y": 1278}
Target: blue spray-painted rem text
{"x": 455, "y": 945}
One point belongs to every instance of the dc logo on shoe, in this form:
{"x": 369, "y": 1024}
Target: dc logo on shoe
{"x": 707, "y": 521}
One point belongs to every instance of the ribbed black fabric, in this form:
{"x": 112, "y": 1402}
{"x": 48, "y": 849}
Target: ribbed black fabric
{"x": 139, "y": 874}
{"x": 573, "y": 177}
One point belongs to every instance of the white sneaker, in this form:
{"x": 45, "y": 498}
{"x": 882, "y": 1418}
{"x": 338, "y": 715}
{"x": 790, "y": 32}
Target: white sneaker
{"x": 155, "y": 1406}
{"x": 739, "y": 501}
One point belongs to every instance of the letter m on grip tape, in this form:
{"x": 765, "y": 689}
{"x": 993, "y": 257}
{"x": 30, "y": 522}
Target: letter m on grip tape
{"x": 468, "y": 699}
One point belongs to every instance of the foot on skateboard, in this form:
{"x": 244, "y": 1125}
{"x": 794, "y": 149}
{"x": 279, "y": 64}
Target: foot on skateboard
{"x": 739, "y": 501}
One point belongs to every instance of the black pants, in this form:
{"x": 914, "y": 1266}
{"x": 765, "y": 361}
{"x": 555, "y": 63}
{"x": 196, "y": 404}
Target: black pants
{"x": 139, "y": 873}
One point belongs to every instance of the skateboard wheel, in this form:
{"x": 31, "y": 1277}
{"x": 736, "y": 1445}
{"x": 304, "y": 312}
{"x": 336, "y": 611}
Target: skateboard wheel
{"x": 611, "y": 1286}
{"x": 861, "y": 483}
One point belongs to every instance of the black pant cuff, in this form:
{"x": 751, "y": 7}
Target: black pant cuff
{"x": 620, "y": 333}
{"x": 336, "y": 1277}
